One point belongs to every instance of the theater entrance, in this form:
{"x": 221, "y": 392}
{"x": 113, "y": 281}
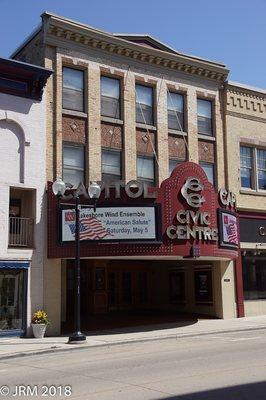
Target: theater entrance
{"x": 120, "y": 293}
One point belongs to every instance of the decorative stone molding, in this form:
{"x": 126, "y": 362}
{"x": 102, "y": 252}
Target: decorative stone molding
{"x": 246, "y": 101}
{"x": 65, "y": 30}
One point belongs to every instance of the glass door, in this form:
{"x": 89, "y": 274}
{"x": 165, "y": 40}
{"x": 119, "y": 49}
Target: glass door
{"x": 11, "y": 300}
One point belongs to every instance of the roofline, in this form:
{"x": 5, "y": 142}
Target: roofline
{"x": 247, "y": 87}
{"x": 146, "y": 35}
{"x": 27, "y": 40}
{"x": 112, "y": 35}
{"x": 27, "y": 66}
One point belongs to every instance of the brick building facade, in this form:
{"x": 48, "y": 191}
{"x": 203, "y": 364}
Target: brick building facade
{"x": 127, "y": 107}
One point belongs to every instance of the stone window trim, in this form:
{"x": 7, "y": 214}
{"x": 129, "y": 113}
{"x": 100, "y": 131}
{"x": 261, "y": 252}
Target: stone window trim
{"x": 144, "y": 126}
{"x": 112, "y": 72}
{"x": 72, "y": 63}
{"x": 254, "y": 170}
{"x": 141, "y": 80}
{"x": 206, "y": 138}
{"x": 177, "y": 89}
{"x": 177, "y": 133}
{"x": 74, "y": 113}
{"x": 252, "y": 192}
{"x": 112, "y": 120}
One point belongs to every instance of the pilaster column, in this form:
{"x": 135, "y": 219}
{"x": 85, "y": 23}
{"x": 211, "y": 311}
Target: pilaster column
{"x": 94, "y": 123}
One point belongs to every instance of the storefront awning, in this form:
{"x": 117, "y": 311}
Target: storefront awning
{"x": 14, "y": 264}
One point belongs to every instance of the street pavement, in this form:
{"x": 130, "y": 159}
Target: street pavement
{"x": 13, "y": 347}
{"x": 218, "y": 366}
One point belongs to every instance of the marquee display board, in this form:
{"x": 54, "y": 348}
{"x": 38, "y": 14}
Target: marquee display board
{"x": 111, "y": 224}
{"x": 171, "y": 220}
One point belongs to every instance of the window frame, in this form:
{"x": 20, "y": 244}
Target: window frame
{"x": 211, "y": 101}
{"x": 83, "y": 91}
{"x": 153, "y": 104}
{"x": 76, "y": 145}
{"x": 184, "y": 124}
{"x": 150, "y": 157}
{"x": 176, "y": 160}
{"x": 254, "y": 168}
{"x": 120, "y": 111}
{"x": 202, "y": 163}
{"x": 111, "y": 150}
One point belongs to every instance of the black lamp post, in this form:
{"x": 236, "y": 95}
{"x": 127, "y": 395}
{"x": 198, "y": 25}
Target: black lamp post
{"x": 94, "y": 192}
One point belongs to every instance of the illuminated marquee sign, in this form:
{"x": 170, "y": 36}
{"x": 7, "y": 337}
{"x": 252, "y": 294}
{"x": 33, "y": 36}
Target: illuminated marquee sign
{"x": 190, "y": 223}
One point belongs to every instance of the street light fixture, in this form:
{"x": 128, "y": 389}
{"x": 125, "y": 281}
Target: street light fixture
{"x": 94, "y": 191}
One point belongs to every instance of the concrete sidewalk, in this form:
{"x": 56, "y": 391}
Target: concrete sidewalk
{"x": 15, "y": 347}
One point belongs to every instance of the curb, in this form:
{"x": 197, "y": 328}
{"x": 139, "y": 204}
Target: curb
{"x": 31, "y": 353}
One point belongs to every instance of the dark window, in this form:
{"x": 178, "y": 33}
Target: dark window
{"x": 73, "y": 164}
{"x": 110, "y": 97}
{"x": 204, "y": 117}
{"x": 73, "y": 89}
{"x": 111, "y": 165}
{"x": 261, "y": 168}
{"x": 209, "y": 171}
{"x": 246, "y": 163}
{"x": 173, "y": 162}
{"x": 254, "y": 278}
{"x": 175, "y": 109}
{"x": 146, "y": 169}
{"x": 144, "y": 105}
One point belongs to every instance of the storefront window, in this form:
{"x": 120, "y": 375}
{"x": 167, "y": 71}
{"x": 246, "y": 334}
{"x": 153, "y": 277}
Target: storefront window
{"x": 11, "y": 299}
{"x": 254, "y": 277}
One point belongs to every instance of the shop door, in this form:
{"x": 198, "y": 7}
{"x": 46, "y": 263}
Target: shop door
{"x": 128, "y": 290}
{"x": 11, "y": 296}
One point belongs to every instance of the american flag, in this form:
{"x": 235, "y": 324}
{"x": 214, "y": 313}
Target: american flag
{"x": 231, "y": 229}
{"x": 90, "y": 228}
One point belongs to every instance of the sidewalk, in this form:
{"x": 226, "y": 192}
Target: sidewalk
{"x": 16, "y": 347}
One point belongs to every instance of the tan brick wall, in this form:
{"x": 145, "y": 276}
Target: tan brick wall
{"x": 246, "y": 124}
{"x": 132, "y": 138}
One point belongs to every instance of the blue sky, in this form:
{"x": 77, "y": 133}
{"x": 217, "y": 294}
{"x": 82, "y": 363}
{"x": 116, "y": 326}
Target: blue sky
{"x": 230, "y": 31}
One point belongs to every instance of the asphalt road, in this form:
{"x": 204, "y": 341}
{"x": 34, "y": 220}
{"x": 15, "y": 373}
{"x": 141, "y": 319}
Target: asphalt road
{"x": 222, "y": 366}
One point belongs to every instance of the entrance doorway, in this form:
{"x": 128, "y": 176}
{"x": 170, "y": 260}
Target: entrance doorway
{"x": 120, "y": 293}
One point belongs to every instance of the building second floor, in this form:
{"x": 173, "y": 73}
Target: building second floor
{"x": 246, "y": 145}
{"x": 123, "y": 107}
{"x": 22, "y": 153}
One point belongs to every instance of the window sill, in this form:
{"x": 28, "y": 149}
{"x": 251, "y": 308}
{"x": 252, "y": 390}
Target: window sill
{"x": 253, "y": 192}
{"x": 74, "y": 113}
{"x": 206, "y": 137}
{"x": 176, "y": 132}
{"x": 145, "y": 126}
{"x": 112, "y": 120}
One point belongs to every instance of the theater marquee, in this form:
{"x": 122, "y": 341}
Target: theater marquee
{"x": 111, "y": 223}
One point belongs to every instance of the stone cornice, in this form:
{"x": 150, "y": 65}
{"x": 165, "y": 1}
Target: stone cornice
{"x": 65, "y": 31}
{"x": 245, "y": 92}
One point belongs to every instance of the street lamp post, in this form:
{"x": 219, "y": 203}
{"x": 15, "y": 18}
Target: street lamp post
{"x": 94, "y": 192}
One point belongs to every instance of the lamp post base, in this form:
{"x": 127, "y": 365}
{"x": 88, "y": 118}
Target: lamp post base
{"x": 76, "y": 337}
